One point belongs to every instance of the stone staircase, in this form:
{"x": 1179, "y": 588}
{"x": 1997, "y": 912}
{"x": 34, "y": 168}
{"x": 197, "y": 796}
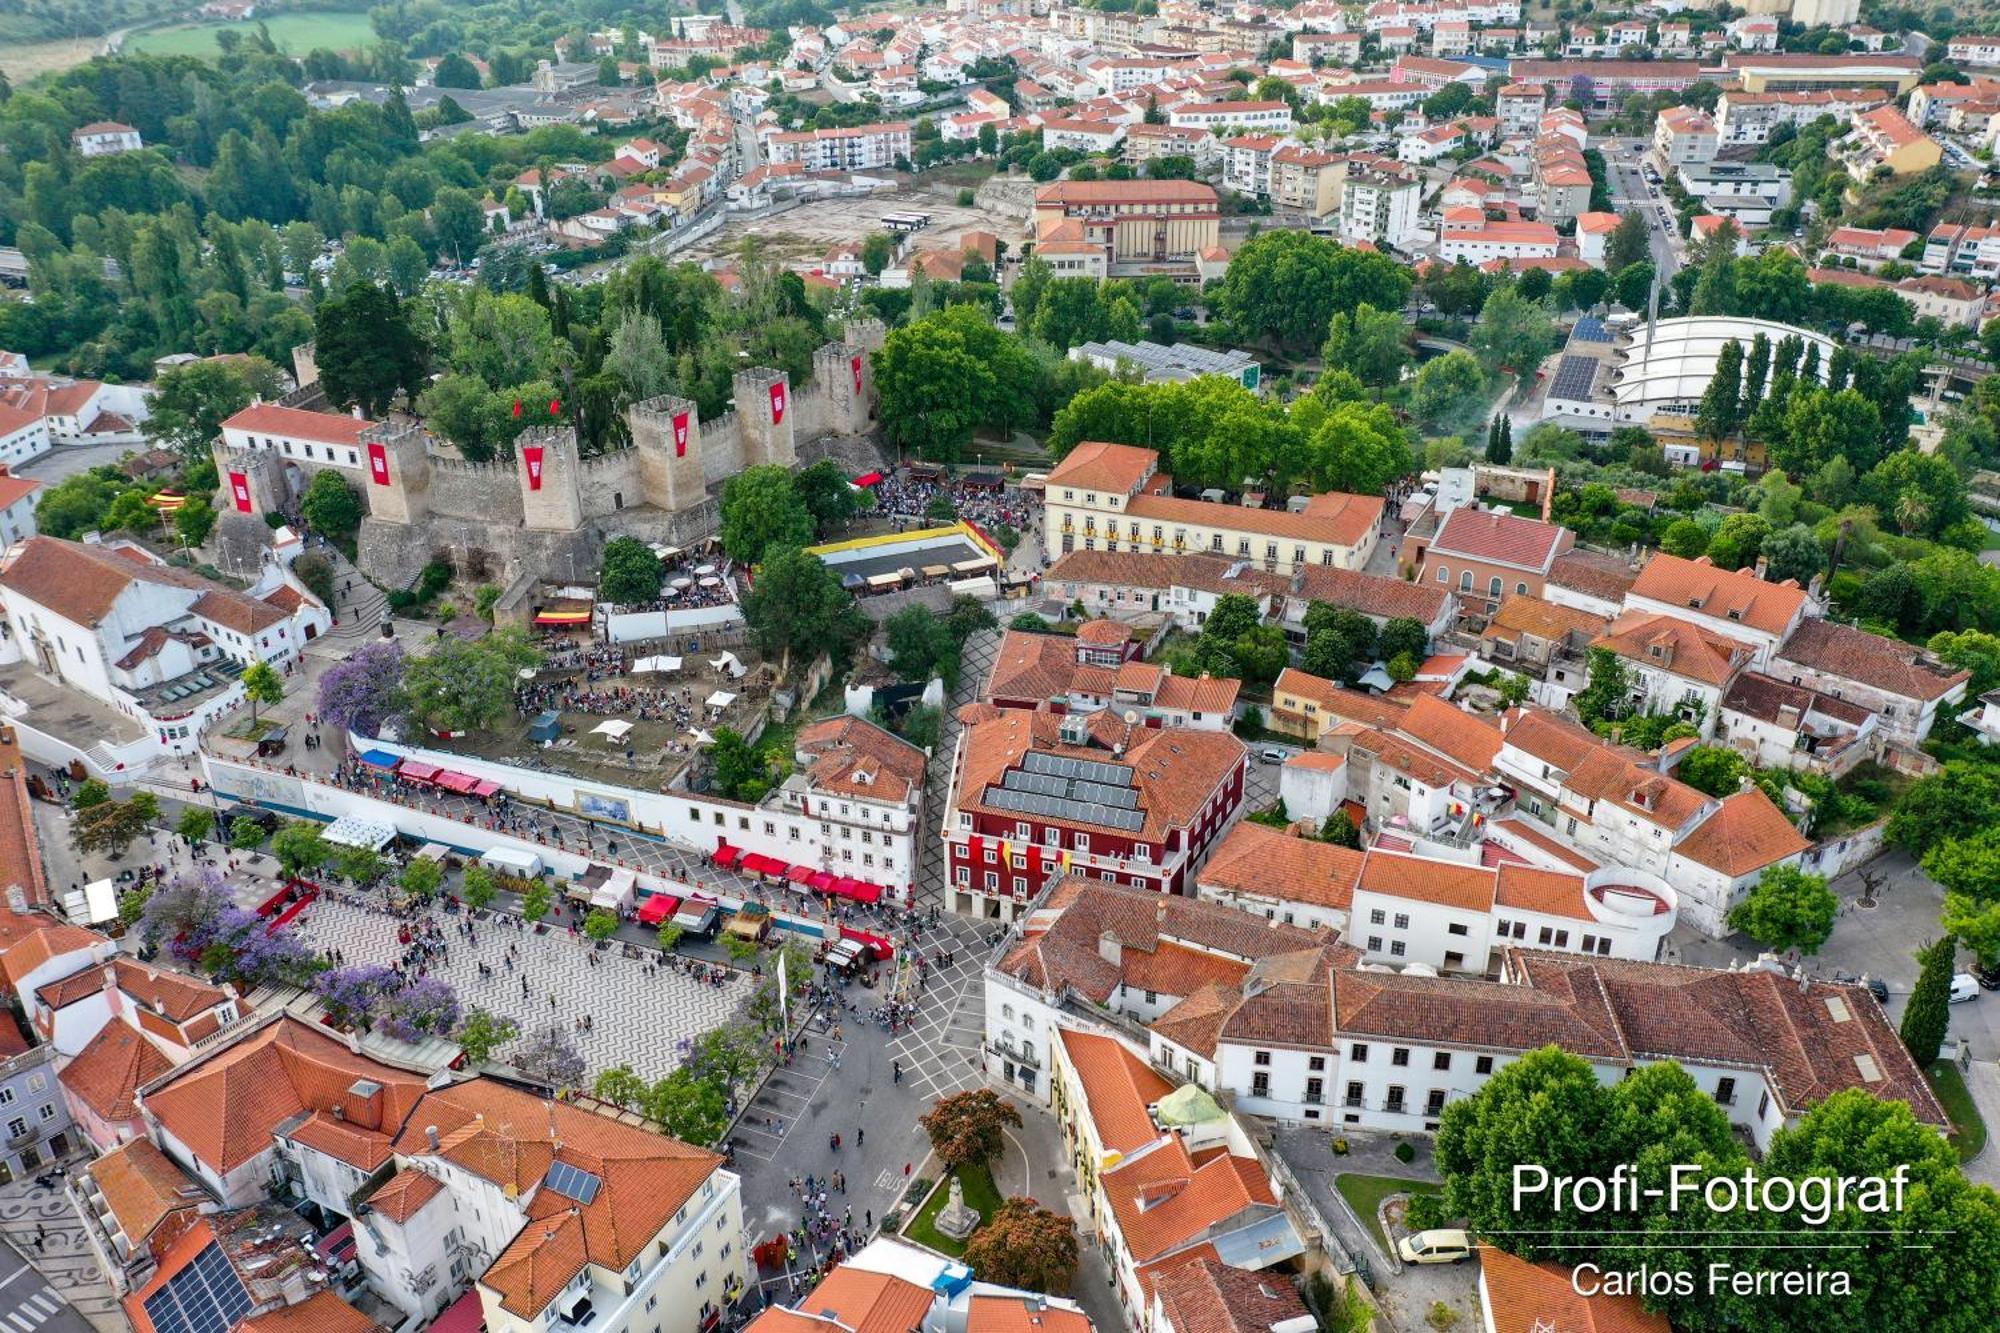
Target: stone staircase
{"x": 359, "y": 608}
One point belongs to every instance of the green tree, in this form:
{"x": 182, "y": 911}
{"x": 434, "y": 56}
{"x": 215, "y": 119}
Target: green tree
{"x": 1793, "y": 553}
{"x": 1713, "y": 769}
{"x": 1956, "y": 802}
{"x": 828, "y": 496}
{"x": 1685, "y": 538}
{"x": 245, "y": 835}
{"x": 691, "y": 1108}
{"x": 600, "y": 925}
{"x": 262, "y": 685}
{"x": 1970, "y": 650}
{"x": 945, "y": 374}
{"x": 921, "y": 645}
{"x": 330, "y": 505}
{"x": 421, "y": 879}
{"x": 476, "y": 886}
{"x": 1285, "y": 286}
{"x": 1738, "y": 540}
{"x": 195, "y": 823}
{"x": 365, "y": 349}
{"x": 761, "y": 510}
{"x": 1630, "y": 242}
{"x": 1449, "y": 391}
{"x": 1723, "y": 398}
{"x": 877, "y": 249}
{"x": 631, "y": 574}
{"x": 798, "y": 606}
{"x": 192, "y": 401}
{"x": 1371, "y": 343}
{"x": 969, "y": 1128}
{"x": 455, "y": 71}
{"x": 1513, "y": 332}
{"x": 536, "y": 901}
{"x": 1928, "y": 1014}
{"x": 480, "y": 1033}
{"x": 194, "y": 520}
{"x": 298, "y": 846}
{"x": 621, "y": 1087}
{"x": 1606, "y": 691}
{"x": 1788, "y": 910}
{"x": 107, "y": 827}
{"x": 1027, "y": 1246}
{"x": 461, "y": 685}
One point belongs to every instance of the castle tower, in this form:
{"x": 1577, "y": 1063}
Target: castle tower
{"x": 867, "y": 334}
{"x": 252, "y": 482}
{"x": 545, "y": 465}
{"x": 764, "y": 417}
{"x": 397, "y": 477}
{"x": 843, "y": 373}
{"x": 667, "y": 433}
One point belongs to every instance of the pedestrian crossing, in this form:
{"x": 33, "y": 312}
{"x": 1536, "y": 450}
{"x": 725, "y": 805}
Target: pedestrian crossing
{"x": 31, "y": 1310}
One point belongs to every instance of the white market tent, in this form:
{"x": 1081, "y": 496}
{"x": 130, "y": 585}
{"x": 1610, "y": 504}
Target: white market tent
{"x": 616, "y": 893}
{"x": 615, "y": 730}
{"x": 720, "y": 700}
{"x": 729, "y": 666}
{"x": 352, "y": 831}
{"x": 656, "y": 664}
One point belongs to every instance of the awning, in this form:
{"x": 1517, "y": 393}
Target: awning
{"x": 720, "y": 699}
{"x": 658, "y": 908}
{"x": 860, "y": 890}
{"x": 617, "y": 729}
{"x": 483, "y": 788}
{"x": 348, "y": 831}
{"x": 725, "y": 855}
{"x": 821, "y": 881}
{"x": 869, "y": 479}
{"x": 801, "y": 874}
{"x": 379, "y": 758}
{"x": 562, "y": 618}
{"x": 464, "y": 1315}
{"x": 756, "y": 863}
{"x": 418, "y": 771}
{"x": 658, "y": 663}
{"x": 455, "y": 781}
{"x": 615, "y": 894}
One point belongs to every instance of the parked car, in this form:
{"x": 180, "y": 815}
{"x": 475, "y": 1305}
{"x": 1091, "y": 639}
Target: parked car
{"x": 1879, "y": 989}
{"x": 1989, "y": 977}
{"x": 1964, "y": 986}
{"x": 1436, "y": 1247}
{"x": 1271, "y": 754}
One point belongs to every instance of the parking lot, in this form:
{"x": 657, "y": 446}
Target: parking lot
{"x": 808, "y": 231}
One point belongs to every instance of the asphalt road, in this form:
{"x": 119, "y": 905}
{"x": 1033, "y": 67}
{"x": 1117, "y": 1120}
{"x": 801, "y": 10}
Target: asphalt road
{"x": 1629, "y": 188}
{"x": 30, "y": 1305}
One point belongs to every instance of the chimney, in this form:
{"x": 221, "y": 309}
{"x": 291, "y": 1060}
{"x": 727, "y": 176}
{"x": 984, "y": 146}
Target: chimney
{"x": 431, "y": 1135}
{"x": 1762, "y": 566}
{"x": 339, "y": 1112}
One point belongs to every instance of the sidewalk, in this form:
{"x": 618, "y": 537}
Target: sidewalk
{"x": 1982, "y": 1080}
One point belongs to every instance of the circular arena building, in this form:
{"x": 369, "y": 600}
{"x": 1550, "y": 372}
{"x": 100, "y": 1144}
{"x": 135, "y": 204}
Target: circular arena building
{"x": 1665, "y": 367}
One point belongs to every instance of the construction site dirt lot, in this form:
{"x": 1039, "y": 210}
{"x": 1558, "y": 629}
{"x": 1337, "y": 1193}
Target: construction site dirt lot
{"x": 805, "y": 233}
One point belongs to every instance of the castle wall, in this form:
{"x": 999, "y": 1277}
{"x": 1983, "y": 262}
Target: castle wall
{"x": 482, "y": 493}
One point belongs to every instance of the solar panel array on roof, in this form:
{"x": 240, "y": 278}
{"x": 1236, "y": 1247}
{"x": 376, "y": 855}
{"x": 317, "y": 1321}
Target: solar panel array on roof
{"x": 1117, "y": 775}
{"x": 572, "y": 1182}
{"x": 1075, "y": 808}
{"x": 1589, "y": 330}
{"x": 1574, "y": 377}
{"x": 204, "y": 1297}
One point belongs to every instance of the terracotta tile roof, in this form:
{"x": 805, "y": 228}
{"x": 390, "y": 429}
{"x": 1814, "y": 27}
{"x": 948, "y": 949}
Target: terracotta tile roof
{"x": 1538, "y": 1298}
{"x": 225, "y": 1107}
{"x": 28, "y": 941}
{"x": 1143, "y": 569}
{"x": 1568, "y": 1009}
{"x": 1118, "y": 1088}
{"x": 869, "y": 1302}
{"x": 1547, "y": 736}
{"x": 1340, "y": 520}
{"x": 298, "y": 424}
{"x": 1782, "y": 703}
{"x": 1745, "y": 835}
{"x": 1668, "y": 643}
{"x": 1452, "y": 732}
{"x": 1521, "y": 614}
{"x": 361, "y": 1148}
{"x": 1409, "y": 759}
{"x": 1501, "y": 537}
{"x": 81, "y": 583}
{"x": 1370, "y": 594}
{"x": 144, "y": 1189}
{"x": 321, "y": 1312}
{"x": 1550, "y": 892}
{"x": 1174, "y": 770}
{"x": 992, "y": 1313}
{"x": 1065, "y": 946}
{"x": 1814, "y": 1042}
{"x": 1468, "y": 888}
{"x": 1526, "y": 830}
{"x": 1208, "y": 1296}
{"x": 855, "y": 756}
{"x": 1262, "y": 861}
{"x": 1162, "y": 1200}
{"x": 1882, "y": 663}
{"x": 1031, "y": 666}
{"x": 110, "y": 1068}
{"x": 1734, "y": 595}
{"x": 1115, "y": 469}
{"x": 1594, "y": 575}
{"x": 1608, "y": 773}
{"x": 173, "y": 994}
{"x": 14, "y": 489}
{"x": 1196, "y": 1023}
{"x": 510, "y": 1136}
{"x": 405, "y": 1194}
{"x": 1339, "y": 700}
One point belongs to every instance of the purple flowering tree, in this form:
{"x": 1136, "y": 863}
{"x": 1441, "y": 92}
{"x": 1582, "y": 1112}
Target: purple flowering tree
{"x": 426, "y": 1007}
{"x": 184, "y": 915}
{"x": 354, "y": 993}
{"x": 547, "y": 1056}
{"x": 365, "y": 690}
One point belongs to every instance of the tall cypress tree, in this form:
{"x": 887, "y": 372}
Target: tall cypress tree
{"x": 1502, "y": 450}
{"x": 1722, "y": 399}
{"x": 1756, "y": 374}
{"x": 1929, "y": 1011}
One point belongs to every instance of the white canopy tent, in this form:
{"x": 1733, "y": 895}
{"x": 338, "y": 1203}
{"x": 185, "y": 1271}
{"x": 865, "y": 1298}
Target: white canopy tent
{"x": 615, "y": 730}
{"x": 729, "y": 666}
{"x": 353, "y": 831}
{"x": 720, "y": 700}
{"x": 656, "y": 664}
{"x": 616, "y": 893}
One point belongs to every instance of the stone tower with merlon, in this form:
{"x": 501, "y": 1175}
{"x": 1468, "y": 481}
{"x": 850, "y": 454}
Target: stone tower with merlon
{"x": 667, "y": 433}
{"x": 764, "y": 417}
{"x": 844, "y": 375}
{"x": 400, "y": 493}
{"x": 545, "y": 465}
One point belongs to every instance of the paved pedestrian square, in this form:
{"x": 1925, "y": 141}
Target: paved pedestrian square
{"x": 645, "y": 1020}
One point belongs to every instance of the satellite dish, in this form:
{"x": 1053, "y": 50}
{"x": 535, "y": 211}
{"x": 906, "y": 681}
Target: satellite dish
{"x": 1131, "y": 717}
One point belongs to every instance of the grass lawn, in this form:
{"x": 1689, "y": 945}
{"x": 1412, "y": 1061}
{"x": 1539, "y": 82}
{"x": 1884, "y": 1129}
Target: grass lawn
{"x": 1969, "y": 1134}
{"x": 295, "y": 33}
{"x": 980, "y": 1195}
{"x": 1364, "y": 1194}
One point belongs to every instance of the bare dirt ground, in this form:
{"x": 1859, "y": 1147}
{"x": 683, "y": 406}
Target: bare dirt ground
{"x": 805, "y": 233}
{"x": 22, "y": 61}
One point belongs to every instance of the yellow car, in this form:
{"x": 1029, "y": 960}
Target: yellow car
{"x": 1436, "y": 1247}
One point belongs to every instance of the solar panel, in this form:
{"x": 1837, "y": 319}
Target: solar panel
{"x": 1122, "y": 798}
{"x": 1590, "y": 330}
{"x": 1574, "y": 378}
{"x": 572, "y": 1182}
{"x": 204, "y": 1297}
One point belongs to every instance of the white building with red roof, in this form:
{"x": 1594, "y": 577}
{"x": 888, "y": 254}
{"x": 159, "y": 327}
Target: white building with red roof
{"x": 314, "y": 439}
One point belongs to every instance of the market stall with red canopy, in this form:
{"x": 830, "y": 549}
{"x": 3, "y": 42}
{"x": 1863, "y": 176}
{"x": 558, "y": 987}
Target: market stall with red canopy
{"x": 725, "y": 855}
{"x": 417, "y": 771}
{"x": 756, "y": 863}
{"x": 658, "y": 908}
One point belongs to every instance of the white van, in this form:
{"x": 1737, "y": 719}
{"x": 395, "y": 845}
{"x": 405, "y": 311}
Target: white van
{"x": 1436, "y": 1247}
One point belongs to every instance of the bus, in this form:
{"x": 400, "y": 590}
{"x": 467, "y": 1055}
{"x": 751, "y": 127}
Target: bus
{"x": 906, "y": 221}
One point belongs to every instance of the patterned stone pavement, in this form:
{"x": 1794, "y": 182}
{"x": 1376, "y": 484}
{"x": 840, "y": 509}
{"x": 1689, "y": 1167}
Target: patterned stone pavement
{"x": 63, "y": 1291}
{"x": 636, "y": 1019}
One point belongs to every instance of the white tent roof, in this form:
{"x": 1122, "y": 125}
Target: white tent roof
{"x": 701, "y": 736}
{"x": 616, "y": 892}
{"x": 616, "y": 729}
{"x": 728, "y": 664}
{"x": 657, "y": 664}
{"x": 352, "y": 831}
{"x": 721, "y": 699}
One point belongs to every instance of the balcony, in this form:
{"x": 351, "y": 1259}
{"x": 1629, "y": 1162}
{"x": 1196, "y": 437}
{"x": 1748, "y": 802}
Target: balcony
{"x": 1006, "y": 1051}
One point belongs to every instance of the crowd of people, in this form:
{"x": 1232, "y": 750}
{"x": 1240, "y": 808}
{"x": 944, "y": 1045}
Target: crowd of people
{"x": 905, "y": 496}
{"x": 674, "y": 707}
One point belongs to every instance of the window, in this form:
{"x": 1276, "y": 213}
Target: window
{"x": 1483, "y": 1065}
{"x": 1395, "y": 1103}
{"x": 964, "y": 874}
{"x": 1377, "y": 917}
{"x": 16, "y": 1127}
{"x": 1725, "y": 1091}
{"x": 1374, "y": 944}
{"x": 1315, "y": 1090}
{"x": 1397, "y": 948}
{"x": 1315, "y": 1062}
{"x": 1399, "y": 1056}
{"x": 992, "y": 881}
{"x": 1444, "y": 574}
{"x": 1261, "y": 1058}
{"x": 1465, "y": 581}
{"x": 1562, "y": 939}
{"x": 1358, "y": 1053}
{"x": 1435, "y": 1102}
{"x": 1441, "y": 1060}
{"x": 1546, "y": 935}
{"x": 1455, "y": 928}
{"x": 1354, "y": 1091}
{"x": 1152, "y": 997}
{"x": 1590, "y": 944}
{"x": 1763, "y": 1103}
{"x": 1402, "y": 921}
{"x": 1260, "y": 1084}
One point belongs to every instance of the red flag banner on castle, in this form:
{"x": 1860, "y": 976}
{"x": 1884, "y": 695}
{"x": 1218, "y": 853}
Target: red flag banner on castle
{"x": 680, "y": 434}
{"x": 777, "y": 402}
{"x": 378, "y": 464}
{"x": 239, "y": 489}
{"x": 531, "y": 457}
{"x": 855, "y": 364}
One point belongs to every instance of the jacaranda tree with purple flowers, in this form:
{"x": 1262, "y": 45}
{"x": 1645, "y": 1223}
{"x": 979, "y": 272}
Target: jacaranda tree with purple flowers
{"x": 424, "y": 1008}
{"x": 353, "y": 993}
{"x": 195, "y": 921}
{"x": 365, "y": 690}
